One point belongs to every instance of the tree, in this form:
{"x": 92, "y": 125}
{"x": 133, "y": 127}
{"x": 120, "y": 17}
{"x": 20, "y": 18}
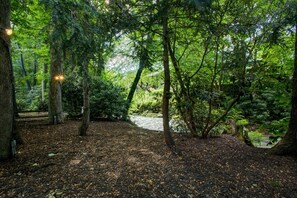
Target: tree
{"x": 6, "y": 100}
{"x": 55, "y": 110}
{"x": 80, "y": 47}
{"x": 288, "y": 145}
{"x": 166, "y": 92}
{"x": 86, "y": 100}
{"x": 143, "y": 63}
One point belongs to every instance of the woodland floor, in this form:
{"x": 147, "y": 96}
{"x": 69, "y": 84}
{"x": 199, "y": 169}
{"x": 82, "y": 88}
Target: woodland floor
{"x": 118, "y": 159}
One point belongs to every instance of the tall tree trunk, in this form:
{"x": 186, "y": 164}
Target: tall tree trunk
{"x": 34, "y": 73}
{"x": 6, "y": 103}
{"x": 43, "y": 84}
{"x": 22, "y": 65}
{"x": 86, "y": 97}
{"x": 142, "y": 62}
{"x": 166, "y": 92}
{"x": 288, "y": 145}
{"x": 55, "y": 113}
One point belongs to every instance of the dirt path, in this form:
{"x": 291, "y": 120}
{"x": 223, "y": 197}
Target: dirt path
{"x": 120, "y": 160}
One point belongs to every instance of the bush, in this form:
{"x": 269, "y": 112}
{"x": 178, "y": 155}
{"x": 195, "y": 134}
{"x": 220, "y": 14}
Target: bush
{"x": 29, "y": 100}
{"x": 106, "y": 99}
{"x": 72, "y": 95}
{"x": 145, "y": 102}
{"x": 256, "y": 137}
{"x": 278, "y": 127}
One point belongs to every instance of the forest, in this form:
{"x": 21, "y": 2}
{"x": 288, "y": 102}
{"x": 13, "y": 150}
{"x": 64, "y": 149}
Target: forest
{"x": 221, "y": 75}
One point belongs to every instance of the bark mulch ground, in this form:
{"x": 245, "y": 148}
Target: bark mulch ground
{"x": 117, "y": 159}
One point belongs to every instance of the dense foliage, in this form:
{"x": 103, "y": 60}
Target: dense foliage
{"x": 107, "y": 100}
{"x": 229, "y": 59}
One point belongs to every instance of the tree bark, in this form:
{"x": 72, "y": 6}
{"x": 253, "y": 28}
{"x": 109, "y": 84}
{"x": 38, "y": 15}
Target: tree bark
{"x": 86, "y": 97}
{"x": 6, "y": 103}
{"x": 166, "y": 92}
{"x": 55, "y": 113}
{"x": 288, "y": 145}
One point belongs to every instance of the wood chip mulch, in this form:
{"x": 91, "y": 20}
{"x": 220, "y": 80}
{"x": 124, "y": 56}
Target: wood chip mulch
{"x": 117, "y": 159}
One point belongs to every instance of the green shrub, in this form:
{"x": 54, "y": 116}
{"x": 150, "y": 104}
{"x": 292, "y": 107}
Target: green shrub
{"x": 145, "y": 102}
{"x": 28, "y": 100}
{"x": 256, "y": 137}
{"x": 278, "y": 127}
{"x": 22, "y": 104}
{"x": 106, "y": 99}
{"x": 72, "y": 95}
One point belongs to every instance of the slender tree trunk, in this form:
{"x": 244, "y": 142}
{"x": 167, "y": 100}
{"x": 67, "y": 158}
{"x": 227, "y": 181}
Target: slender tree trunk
{"x": 43, "y": 84}
{"x": 187, "y": 112}
{"x": 86, "y": 97}
{"x": 166, "y": 92}
{"x": 22, "y": 65}
{"x": 142, "y": 61}
{"x": 6, "y": 103}
{"x": 206, "y": 130}
{"x": 288, "y": 145}
{"x": 187, "y": 116}
{"x": 55, "y": 113}
{"x": 34, "y": 73}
